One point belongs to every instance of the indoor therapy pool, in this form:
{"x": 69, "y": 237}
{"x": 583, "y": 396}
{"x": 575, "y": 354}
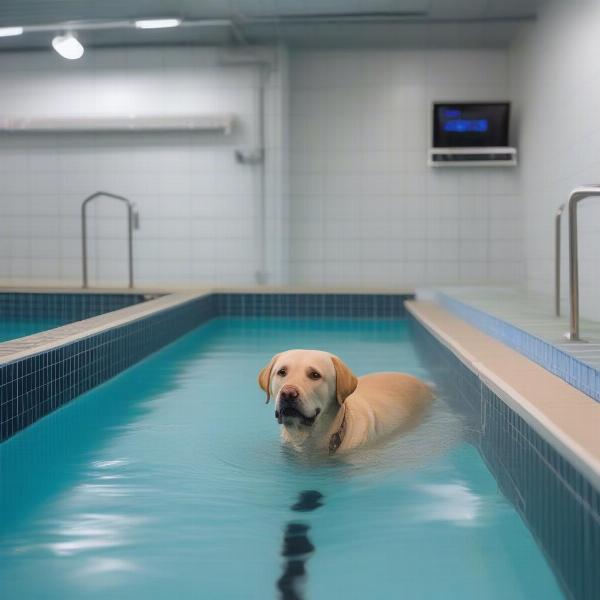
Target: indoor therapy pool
{"x": 172, "y": 476}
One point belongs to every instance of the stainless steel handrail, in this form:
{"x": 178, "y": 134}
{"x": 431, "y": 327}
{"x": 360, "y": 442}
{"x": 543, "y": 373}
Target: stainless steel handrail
{"x": 132, "y": 223}
{"x": 578, "y": 194}
{"x": 557, "y": 223}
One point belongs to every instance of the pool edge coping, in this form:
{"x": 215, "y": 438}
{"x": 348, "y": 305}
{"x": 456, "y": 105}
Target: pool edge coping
{"x": 468, "y": 349}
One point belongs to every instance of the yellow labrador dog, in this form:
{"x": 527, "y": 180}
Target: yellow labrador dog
{"x": 323, "y": 406}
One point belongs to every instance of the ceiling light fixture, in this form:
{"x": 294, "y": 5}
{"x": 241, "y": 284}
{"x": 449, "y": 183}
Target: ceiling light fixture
{"x": 10, "y": 31}
{"x": 68, "y": 46}
{"x": 157, "y": 23}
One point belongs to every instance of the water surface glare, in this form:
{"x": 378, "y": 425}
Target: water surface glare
{"x": 170, "y": 481}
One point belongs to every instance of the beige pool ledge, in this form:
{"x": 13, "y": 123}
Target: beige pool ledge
{"x": 565, "y": 417}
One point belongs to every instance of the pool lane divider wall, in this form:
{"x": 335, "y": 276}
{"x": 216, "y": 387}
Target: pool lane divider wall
{"x": 582, "y": 376}
{"x": 552, "y": 479}
{"x": 44, "y": 371}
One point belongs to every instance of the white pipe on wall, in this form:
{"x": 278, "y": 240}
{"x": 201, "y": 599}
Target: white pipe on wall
{"x": 264, "y": 61}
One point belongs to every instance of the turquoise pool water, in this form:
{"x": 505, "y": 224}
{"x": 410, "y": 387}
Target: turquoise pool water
{"x": 169, "y": 481}
{"x": 11, "y": 329}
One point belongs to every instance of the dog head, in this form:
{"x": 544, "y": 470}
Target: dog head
{"x": 306, "y": 384}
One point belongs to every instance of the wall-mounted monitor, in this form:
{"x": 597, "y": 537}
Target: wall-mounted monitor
{"x": 470, "y": 124}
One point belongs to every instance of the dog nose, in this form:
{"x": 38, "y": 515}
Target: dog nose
{"x": 288, "y": 394}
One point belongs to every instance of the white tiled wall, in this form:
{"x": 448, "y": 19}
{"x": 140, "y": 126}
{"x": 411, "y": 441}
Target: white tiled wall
{"x": 365, "y": 208}
{"x": 199, "y": 208}
{"x": 277, "y": 197}
{"x": 555, "y": 75}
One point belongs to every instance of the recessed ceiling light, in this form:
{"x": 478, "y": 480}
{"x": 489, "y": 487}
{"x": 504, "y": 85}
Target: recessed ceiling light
{"x": 157, "y": 23}
{"x": 68, "y": 46}
{"x": 10, "y": 31}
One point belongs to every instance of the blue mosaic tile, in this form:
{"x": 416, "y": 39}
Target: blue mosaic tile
{"x": 66, "y": 307}
{"x": 576, "y": 373}
{"x": 558, "y": 504}
{"x": 313, "y": 305}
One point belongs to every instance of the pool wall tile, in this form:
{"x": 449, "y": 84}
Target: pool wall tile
{"x": 558, "y": 504}
{"x": 313, "y": 305}
{"x": 62, "y": 306}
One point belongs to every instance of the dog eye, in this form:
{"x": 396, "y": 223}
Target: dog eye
{"x": 282, "y": 372}
{"x": 315, "y": 375}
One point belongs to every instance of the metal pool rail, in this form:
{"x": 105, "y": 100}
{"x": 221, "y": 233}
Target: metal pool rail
{"x": 133, "y": 222}
{"x": 578, "y": 194}
{"x": 557, "y": 223}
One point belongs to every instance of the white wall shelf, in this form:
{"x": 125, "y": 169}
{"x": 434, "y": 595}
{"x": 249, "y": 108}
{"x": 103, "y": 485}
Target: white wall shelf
{"x": 210, "y": 123}
{"x": 502, "y": 156}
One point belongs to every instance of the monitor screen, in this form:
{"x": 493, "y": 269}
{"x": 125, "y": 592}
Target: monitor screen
{"x": 470, "y": 124}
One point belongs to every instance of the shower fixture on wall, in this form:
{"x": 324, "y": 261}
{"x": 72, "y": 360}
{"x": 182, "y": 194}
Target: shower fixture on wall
{"x": 254, "y": 156}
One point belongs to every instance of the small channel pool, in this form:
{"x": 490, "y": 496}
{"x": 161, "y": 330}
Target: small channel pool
{"x": 11, "y": 329}
{"x": 26, "y": 313}
{"x": 170, "y": 481}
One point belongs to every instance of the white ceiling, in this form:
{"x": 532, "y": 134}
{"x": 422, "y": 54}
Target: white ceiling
{"x": 300, "y": 23}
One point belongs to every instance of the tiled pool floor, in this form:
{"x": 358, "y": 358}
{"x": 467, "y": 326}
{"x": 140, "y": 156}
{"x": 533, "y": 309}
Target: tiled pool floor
{"x": 535, "y": 315}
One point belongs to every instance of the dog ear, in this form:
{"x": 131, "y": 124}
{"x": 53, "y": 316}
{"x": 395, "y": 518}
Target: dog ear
{"x": 345, "y": 380}
{"x": 264, "y": 377}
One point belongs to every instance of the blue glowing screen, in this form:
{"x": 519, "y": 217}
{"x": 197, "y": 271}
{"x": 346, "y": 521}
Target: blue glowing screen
{"x": 470, "y": 124}
{"x": 456, "y": 123}
{"x": 466, "y": 125}
{"x": 451, "y": 113}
